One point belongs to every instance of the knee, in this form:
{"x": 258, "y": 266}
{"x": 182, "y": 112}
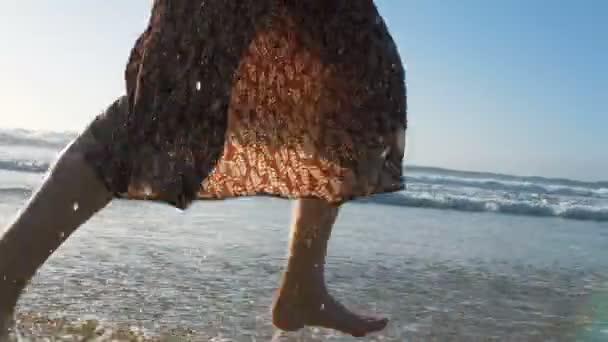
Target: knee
{"x": 94, "y": 146}
{"x": 314, "y": 211}
{"x": 106, "y": 124}
{"x": 101, "y": 130}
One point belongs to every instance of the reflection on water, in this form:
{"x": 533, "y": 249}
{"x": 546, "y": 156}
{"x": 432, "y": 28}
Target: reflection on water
{"x": 437, "y": 275}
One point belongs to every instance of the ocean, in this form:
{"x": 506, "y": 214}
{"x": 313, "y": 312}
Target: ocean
{"x": 457, "y": 256}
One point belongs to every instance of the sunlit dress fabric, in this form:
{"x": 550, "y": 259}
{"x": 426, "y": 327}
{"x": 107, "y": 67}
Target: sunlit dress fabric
{"x": 230, "y": 98}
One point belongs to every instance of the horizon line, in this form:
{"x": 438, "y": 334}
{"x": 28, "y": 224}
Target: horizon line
{"x": 441, "y": 168}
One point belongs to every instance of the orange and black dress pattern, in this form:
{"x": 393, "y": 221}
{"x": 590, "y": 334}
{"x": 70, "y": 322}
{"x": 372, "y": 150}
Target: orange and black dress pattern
{"x": 225, "y": 98}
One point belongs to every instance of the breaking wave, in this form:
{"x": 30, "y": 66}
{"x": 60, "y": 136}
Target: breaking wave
{"x": 18, "y": 191}
{"x": 31, "y": 152}
{"x": 24, "y": 165}
{"x": 598, "y": 189}
{"x": 538, "y": 208}
{"x": 23, "y": 137}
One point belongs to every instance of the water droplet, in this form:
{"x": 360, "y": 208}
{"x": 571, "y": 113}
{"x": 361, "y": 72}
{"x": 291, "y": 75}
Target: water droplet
{"x": 75, "y": 206}
{"x": 322, "y": 306}
{"x": 385, "y": 153}
{"x": 198, "y": 85}
{"x": 62, "y": 235}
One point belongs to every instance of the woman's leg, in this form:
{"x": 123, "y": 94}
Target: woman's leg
{"x": 303, "y": 298}
{"x": 70, "y": 194}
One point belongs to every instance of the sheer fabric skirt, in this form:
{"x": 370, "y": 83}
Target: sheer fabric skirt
{"x": 240, "y": 98}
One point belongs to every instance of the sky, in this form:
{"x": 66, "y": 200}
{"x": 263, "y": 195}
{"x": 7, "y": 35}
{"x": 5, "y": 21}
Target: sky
{"x": 514, "y": 86}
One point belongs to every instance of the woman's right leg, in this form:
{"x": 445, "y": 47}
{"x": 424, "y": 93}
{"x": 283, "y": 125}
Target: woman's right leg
{"x": 303, "y": 299}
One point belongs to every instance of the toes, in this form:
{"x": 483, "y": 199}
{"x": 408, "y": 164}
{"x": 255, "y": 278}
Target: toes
{"x": 369, "y": 325}
{"x": 377, "y": 324}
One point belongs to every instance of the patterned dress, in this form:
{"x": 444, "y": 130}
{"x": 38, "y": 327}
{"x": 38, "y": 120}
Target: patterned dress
{"x": 225, "y": 98}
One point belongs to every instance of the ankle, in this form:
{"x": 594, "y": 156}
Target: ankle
{"x": 303, "y": 291}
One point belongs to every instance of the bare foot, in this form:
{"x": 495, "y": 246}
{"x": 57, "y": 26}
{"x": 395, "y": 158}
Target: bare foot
{"x": 291, "y": 314}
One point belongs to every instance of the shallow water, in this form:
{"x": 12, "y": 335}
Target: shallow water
{"x": 439, "y": 275}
